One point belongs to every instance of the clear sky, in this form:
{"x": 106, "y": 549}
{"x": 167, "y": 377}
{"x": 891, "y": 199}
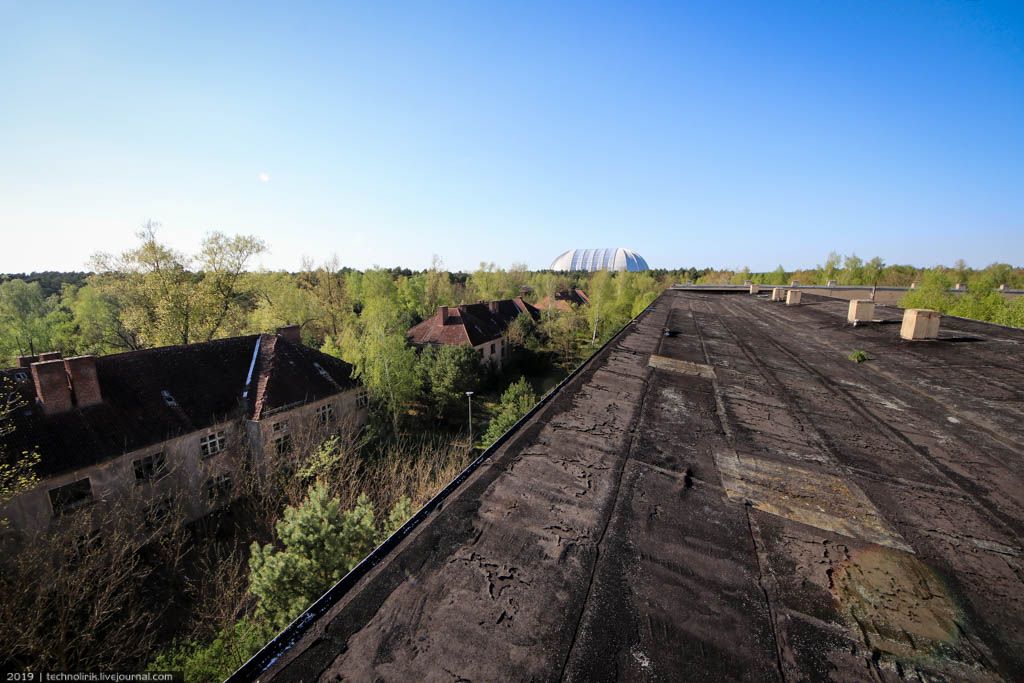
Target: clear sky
{"x": 716, "y": 133}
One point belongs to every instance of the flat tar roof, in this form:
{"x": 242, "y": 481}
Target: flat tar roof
{"x": 734, "y": 499}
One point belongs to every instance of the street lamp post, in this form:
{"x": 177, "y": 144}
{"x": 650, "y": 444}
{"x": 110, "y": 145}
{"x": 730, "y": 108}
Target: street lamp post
{"x": 469, "y": 398}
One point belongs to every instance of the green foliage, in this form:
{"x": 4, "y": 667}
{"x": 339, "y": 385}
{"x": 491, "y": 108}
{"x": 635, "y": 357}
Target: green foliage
{"x": 377, "y": 348}
{"x": 517, "y": 400}
{"x": 161, "y": 301}
{"x": 858, "y": 356}
{"x": 321, "y": 543}
{"x": 214, "y": 661}
{"x": 17, "y": 469}
{"x": 449, "y": 372}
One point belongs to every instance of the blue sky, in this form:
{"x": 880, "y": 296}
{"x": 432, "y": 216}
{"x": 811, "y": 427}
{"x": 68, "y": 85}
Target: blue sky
{"x": 719, "y": 133}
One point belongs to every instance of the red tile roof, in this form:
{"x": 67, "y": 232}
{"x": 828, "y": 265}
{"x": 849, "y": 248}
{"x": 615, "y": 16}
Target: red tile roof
{"x": 472, "y": 324}
{"x": 206, "y": 381}
{"x": 563, "y": 301}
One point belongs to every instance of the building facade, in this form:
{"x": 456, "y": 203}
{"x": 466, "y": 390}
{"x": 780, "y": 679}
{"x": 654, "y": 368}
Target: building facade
{"x": 166, "y": 427}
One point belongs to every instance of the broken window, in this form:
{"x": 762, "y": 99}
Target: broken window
{"x": 279, "y": 426}
{"x": 20, "y": 376}
{"x": 150, "y": 468}
{"x": 212, "y": 444}
{"x": 362, "y": 398}
{"x": 325, "y": 413}
{"x": 71, "y": 496}
{"x": 283, "y": 444}
{"x": 218, "y": 488}
{"x": 492, "y": 349}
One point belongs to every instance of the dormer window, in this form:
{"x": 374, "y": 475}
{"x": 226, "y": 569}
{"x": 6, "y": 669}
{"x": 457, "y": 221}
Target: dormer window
{"x": 168, "y": 399}
{"x": 323, "y": 373}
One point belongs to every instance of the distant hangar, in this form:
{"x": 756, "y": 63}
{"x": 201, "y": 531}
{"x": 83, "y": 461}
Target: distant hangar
{"x": 600, "y": 259}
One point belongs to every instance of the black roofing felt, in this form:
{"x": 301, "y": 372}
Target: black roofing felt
{"x": 733, "y": 501}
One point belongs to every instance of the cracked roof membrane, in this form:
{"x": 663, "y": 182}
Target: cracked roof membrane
{"x": 734, "y": 501}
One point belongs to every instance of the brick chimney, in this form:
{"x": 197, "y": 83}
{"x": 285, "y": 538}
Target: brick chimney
{"x": 443, "y": 312}
{"x": 85, "y": 384}
{"x": 49, "y": 355}
{"x": 290, "y": 333}
{"x": 27, "y": 361}
{"x": 52, "y": 388}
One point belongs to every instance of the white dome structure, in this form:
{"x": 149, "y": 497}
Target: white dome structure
{"x": 600, "y": 259}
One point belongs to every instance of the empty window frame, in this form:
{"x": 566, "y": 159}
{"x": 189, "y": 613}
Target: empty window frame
{"x": 211, "y": 444}
{"x": 150, "y": 468}
{"x": 283, "y": 444}
{"x": 20, "y": 376}
{"x": 71, "y": 496}
{"x": 279, "y": 426}
{"x": 218, "y": 488}
{"x": 362, "y": 398}
{"x": 325, "y": 414}
{"x": 492, "y": 349}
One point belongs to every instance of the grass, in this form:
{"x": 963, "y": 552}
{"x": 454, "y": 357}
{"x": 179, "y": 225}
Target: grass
{"x": 859, "y": 356}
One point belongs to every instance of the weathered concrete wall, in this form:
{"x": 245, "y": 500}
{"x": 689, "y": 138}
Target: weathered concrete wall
{"x": 113, "y": 481}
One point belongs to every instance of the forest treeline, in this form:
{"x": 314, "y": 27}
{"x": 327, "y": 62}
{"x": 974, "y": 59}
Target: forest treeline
{"x": 980, "y": 300}
{"x": 152, "y": 295}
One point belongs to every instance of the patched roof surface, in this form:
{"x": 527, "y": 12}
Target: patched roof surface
{"x": 206, "y": 382}
{"x": 720, "y": 494}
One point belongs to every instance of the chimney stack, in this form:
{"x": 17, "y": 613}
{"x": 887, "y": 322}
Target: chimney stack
{"x": 52, "y": 388}
{"x": 49, "y": 355}
{"x": 920, "y": 323}
{"x": 290, "y": 333}
{"x": 85, "y": 384}
{"x": 27, "y": 361}
{"x": 443, "y": 312}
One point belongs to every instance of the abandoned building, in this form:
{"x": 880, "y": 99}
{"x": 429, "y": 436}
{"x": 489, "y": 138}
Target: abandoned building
{"x": 563, "y": 301}
{"x": 719, "y": 493}
{"x": 481, "y": 325}
{"x": 166, "y": 425}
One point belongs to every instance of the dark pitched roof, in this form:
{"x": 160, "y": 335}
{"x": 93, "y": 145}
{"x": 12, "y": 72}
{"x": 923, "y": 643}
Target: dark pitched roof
{"x": 472, "y": 324}
{"x": 153, "y": 395}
